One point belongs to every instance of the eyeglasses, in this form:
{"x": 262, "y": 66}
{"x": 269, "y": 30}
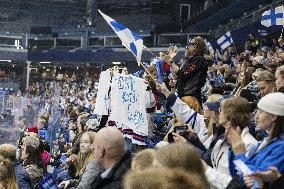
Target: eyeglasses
{"x": 192, "y": 42}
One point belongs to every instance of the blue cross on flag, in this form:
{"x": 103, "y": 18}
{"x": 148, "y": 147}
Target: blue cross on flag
{"x": 225, "y": 41}
{"x": 273, "y": 17}
{"x": 131, "y": 40}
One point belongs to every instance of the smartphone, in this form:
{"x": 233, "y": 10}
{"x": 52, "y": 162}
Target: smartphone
{"x": 180, "y": 130}
{"x": 170, "y": 138}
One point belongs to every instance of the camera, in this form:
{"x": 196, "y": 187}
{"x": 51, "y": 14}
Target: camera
{"x": 180, "y": 130}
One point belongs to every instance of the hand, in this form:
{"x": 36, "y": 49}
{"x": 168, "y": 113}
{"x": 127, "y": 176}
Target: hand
{"x": 163, "y": 89}
{"x": 175, "y": 68}
{"x": 172, "y": 83}
{"x": 268, "y": 176}
{"x": 178, "y": 138}
{"x": 64, "y": 184}
{"x": 249, "y": 181}
{"x": 172, "y": 52}
{"x": 233, "y": 135}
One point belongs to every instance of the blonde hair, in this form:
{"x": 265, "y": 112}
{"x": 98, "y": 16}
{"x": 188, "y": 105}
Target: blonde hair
{"x": 180, "y": 155}
{"x": 7, "y": 174}
{"x": 227, "y": 70}
{"x": 280, "y": 69}
{"x": 8, "y": 151}
{"x": 84, "y": 159}
{"x": 164, "y": 178}
{"x": 143, "y": 159}
{"x": 215, "y": 115}
{"x": 266, "y": 76}
{"x": 42, "y": 122}
{"x": 193, "y": 103}
{"x": 31, "y": 140}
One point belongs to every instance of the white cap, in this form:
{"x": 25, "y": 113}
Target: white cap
{"x": 272, "y": 103}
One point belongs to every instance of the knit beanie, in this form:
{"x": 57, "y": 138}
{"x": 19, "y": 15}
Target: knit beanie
{"x": 272, "y": 103}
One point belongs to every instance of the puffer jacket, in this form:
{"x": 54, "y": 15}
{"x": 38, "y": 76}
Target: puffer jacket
{"x": 22, "y": 176}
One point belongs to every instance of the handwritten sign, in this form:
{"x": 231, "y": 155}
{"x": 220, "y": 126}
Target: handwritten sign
{"x": 128, "y": 102}
{"x": 102, "y": 101}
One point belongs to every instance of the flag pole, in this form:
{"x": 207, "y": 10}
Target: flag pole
{"x": 146, "y": 70}
{"x": 149, "y": 50}
{"x": 139, "y": 62}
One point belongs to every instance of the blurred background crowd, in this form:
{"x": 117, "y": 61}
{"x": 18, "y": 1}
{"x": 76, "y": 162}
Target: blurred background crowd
{"x": 216, "y": 119}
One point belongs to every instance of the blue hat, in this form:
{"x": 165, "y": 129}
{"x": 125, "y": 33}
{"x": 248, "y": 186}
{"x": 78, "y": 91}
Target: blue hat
{"x": 215, "y": 106}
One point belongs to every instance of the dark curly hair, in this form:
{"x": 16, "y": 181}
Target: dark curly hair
{"x": 200, "y": 46}
{"x": 34, "y": 156}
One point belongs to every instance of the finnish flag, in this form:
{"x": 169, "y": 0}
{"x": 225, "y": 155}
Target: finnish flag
{"x": 225, "y": 41}
{"x": 209, "y": 46}
{"x": 131, "y": 40}
{"x": 273, "y": 17}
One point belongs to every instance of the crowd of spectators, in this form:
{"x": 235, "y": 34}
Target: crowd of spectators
{"x": 216, "y": 116}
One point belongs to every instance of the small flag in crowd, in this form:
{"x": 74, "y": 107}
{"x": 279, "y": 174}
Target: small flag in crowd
{"x": 225, "y": 41}
{"x": 160, "y": 71}
{"x": 273, "y": 17}
{"x": 188, "y": 43}
{"x": 216, "y": 61}
{"x": 47, "y": 183}
{"x": 189, "y": 40}
{"x": 131, "y": 40}
{"x": 262, "y": 32}
{"x": 209, "y": 46}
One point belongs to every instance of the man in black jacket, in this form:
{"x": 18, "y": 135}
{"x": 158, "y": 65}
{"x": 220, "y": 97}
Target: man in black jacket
{"x": 111, "y": 154}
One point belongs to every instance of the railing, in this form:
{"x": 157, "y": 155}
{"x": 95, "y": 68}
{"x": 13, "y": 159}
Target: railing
{"x": 17, "y": 112}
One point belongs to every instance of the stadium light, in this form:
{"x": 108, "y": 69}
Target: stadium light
{"x": 116, "y": 63}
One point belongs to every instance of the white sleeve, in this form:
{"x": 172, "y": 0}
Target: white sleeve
{"x": 184, "y": 112}
{"x": 217, "y": 179}
{"x": 249, "y": 141}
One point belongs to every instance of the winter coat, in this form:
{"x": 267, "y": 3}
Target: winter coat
{"x": 191, "y": 77}
{"x": 90, "y": 173}
{"x": 270, "y": 155}
{"x": 114, "y": 178}
{"x": 35, "y": 172}
{"x": 22, "y": 176}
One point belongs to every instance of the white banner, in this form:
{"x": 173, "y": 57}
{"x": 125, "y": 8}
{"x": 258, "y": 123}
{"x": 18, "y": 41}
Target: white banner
{"x": 102, "y": 100}
{"x": 128, "y": 102}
